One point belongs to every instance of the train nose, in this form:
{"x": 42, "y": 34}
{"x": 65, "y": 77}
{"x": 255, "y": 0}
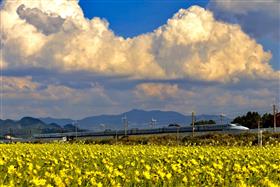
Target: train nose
{"x": 239, "y": 128}
{"x": 245, "y": 128}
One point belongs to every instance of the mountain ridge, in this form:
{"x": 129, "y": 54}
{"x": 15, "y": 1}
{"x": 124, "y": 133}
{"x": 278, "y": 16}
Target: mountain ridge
{"x": 27, "y": 126}
{"x": 138, "y": 118}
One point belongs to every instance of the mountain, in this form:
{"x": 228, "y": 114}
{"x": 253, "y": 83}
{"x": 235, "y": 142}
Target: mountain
{"x": 141, "y": 119}
{"x": 60, "y": 122}
{"x": 136, "y": 119}
{"x": 70, "y": 127}
{"x": 27, "y": 126}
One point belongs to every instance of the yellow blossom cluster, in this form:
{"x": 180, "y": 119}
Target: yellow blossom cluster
{"x": 141, "y": 165}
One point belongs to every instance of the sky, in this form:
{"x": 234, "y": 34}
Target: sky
{"x": 70, "y": 59}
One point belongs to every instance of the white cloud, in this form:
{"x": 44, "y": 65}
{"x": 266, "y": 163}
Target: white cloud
{"x": 207, "y": 100}
{"x": 24, "y": 96}
{"x": 157, "y": 90}
{"x": 50, "y": 100}
{"x": 191, "y": 45}
{"x": 13, "y": 84}
{"x": 194, "y": 45}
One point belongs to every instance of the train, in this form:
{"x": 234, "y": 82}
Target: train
{"x": 136, "y": 131}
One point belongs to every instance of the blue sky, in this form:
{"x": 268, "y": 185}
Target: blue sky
{"x": 61, "y": 59}
{"x": 129, "y": 18}
{"x": 274, "y": 47}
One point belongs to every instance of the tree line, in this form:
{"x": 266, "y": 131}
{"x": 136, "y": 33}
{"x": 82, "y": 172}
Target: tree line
{"x": 251, "y": 119}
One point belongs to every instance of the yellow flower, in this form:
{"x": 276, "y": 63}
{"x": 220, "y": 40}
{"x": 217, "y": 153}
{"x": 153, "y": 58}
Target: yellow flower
{"x": 161, "y": 174}
{"x": 148, "y": 167}
{"x": 2, "y": 162}
{"x": 137, "y": 179}
{"x": 137, "y": 173}
{"x": 11, "y": 169}
{"x": 168, "y": 176}
{"x": 58, "y": 181}
{"x": 39, "y": 182}
{"x": 132, "y": 164}
{"x": 147, "y": 175}
{"x": 120, "y": 167}
{"x": 30, "y": 166}
{"x": 236, "y": 167}
{"x": 194, "y": 162}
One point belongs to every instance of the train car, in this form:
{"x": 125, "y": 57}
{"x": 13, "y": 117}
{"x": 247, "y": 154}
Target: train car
{"x": 220, "y": 127}
{"x": 205, "y": 128}
{"x": 136, "y": 131}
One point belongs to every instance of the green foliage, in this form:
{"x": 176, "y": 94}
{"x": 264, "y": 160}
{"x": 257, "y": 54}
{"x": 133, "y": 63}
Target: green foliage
{"x": 267, "y": 120}
{"x": 250, "y": 120}
{"x": 214, "y": 139}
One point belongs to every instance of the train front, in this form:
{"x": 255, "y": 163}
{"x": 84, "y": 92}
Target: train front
{"x": 237, "y": 127}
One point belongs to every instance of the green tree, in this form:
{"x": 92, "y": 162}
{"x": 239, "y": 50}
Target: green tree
{"x": 267, "y": 120}
{"x": 249, "y": 120}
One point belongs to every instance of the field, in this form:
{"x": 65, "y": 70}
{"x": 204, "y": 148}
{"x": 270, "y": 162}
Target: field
{"x": 141, "y": 165}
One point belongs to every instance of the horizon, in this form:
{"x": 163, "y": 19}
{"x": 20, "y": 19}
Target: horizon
{"x": 121, "y": 113}
{"x": 89, "y": 58}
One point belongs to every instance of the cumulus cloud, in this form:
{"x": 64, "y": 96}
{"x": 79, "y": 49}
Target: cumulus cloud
{"x": 191, "y": 45}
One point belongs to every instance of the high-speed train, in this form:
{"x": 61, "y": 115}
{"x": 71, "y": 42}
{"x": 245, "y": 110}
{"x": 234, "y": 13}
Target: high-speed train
{"x": 136, "y": 131}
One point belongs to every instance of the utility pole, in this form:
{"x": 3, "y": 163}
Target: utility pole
{"x": 153, "y": 123}
{"x": 221, "y": 118}
{"x": 259, "y": 133}
{"x": 177, "y": 133}
{"x": 125, "y": 125}
{"x": 76, "y": 128}
{"x": 116, "y": 136}
{"x": 192, "y": 124}
{"x": 274, "y": 118}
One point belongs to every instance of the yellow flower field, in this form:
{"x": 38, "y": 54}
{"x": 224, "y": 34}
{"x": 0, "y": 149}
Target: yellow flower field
{"x": 118, "y": 165}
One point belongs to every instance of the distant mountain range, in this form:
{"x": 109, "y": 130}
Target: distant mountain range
{"x": 28, "y": 126}
{"x": 60, "y": 122}
{"x": 136, "y": 119}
